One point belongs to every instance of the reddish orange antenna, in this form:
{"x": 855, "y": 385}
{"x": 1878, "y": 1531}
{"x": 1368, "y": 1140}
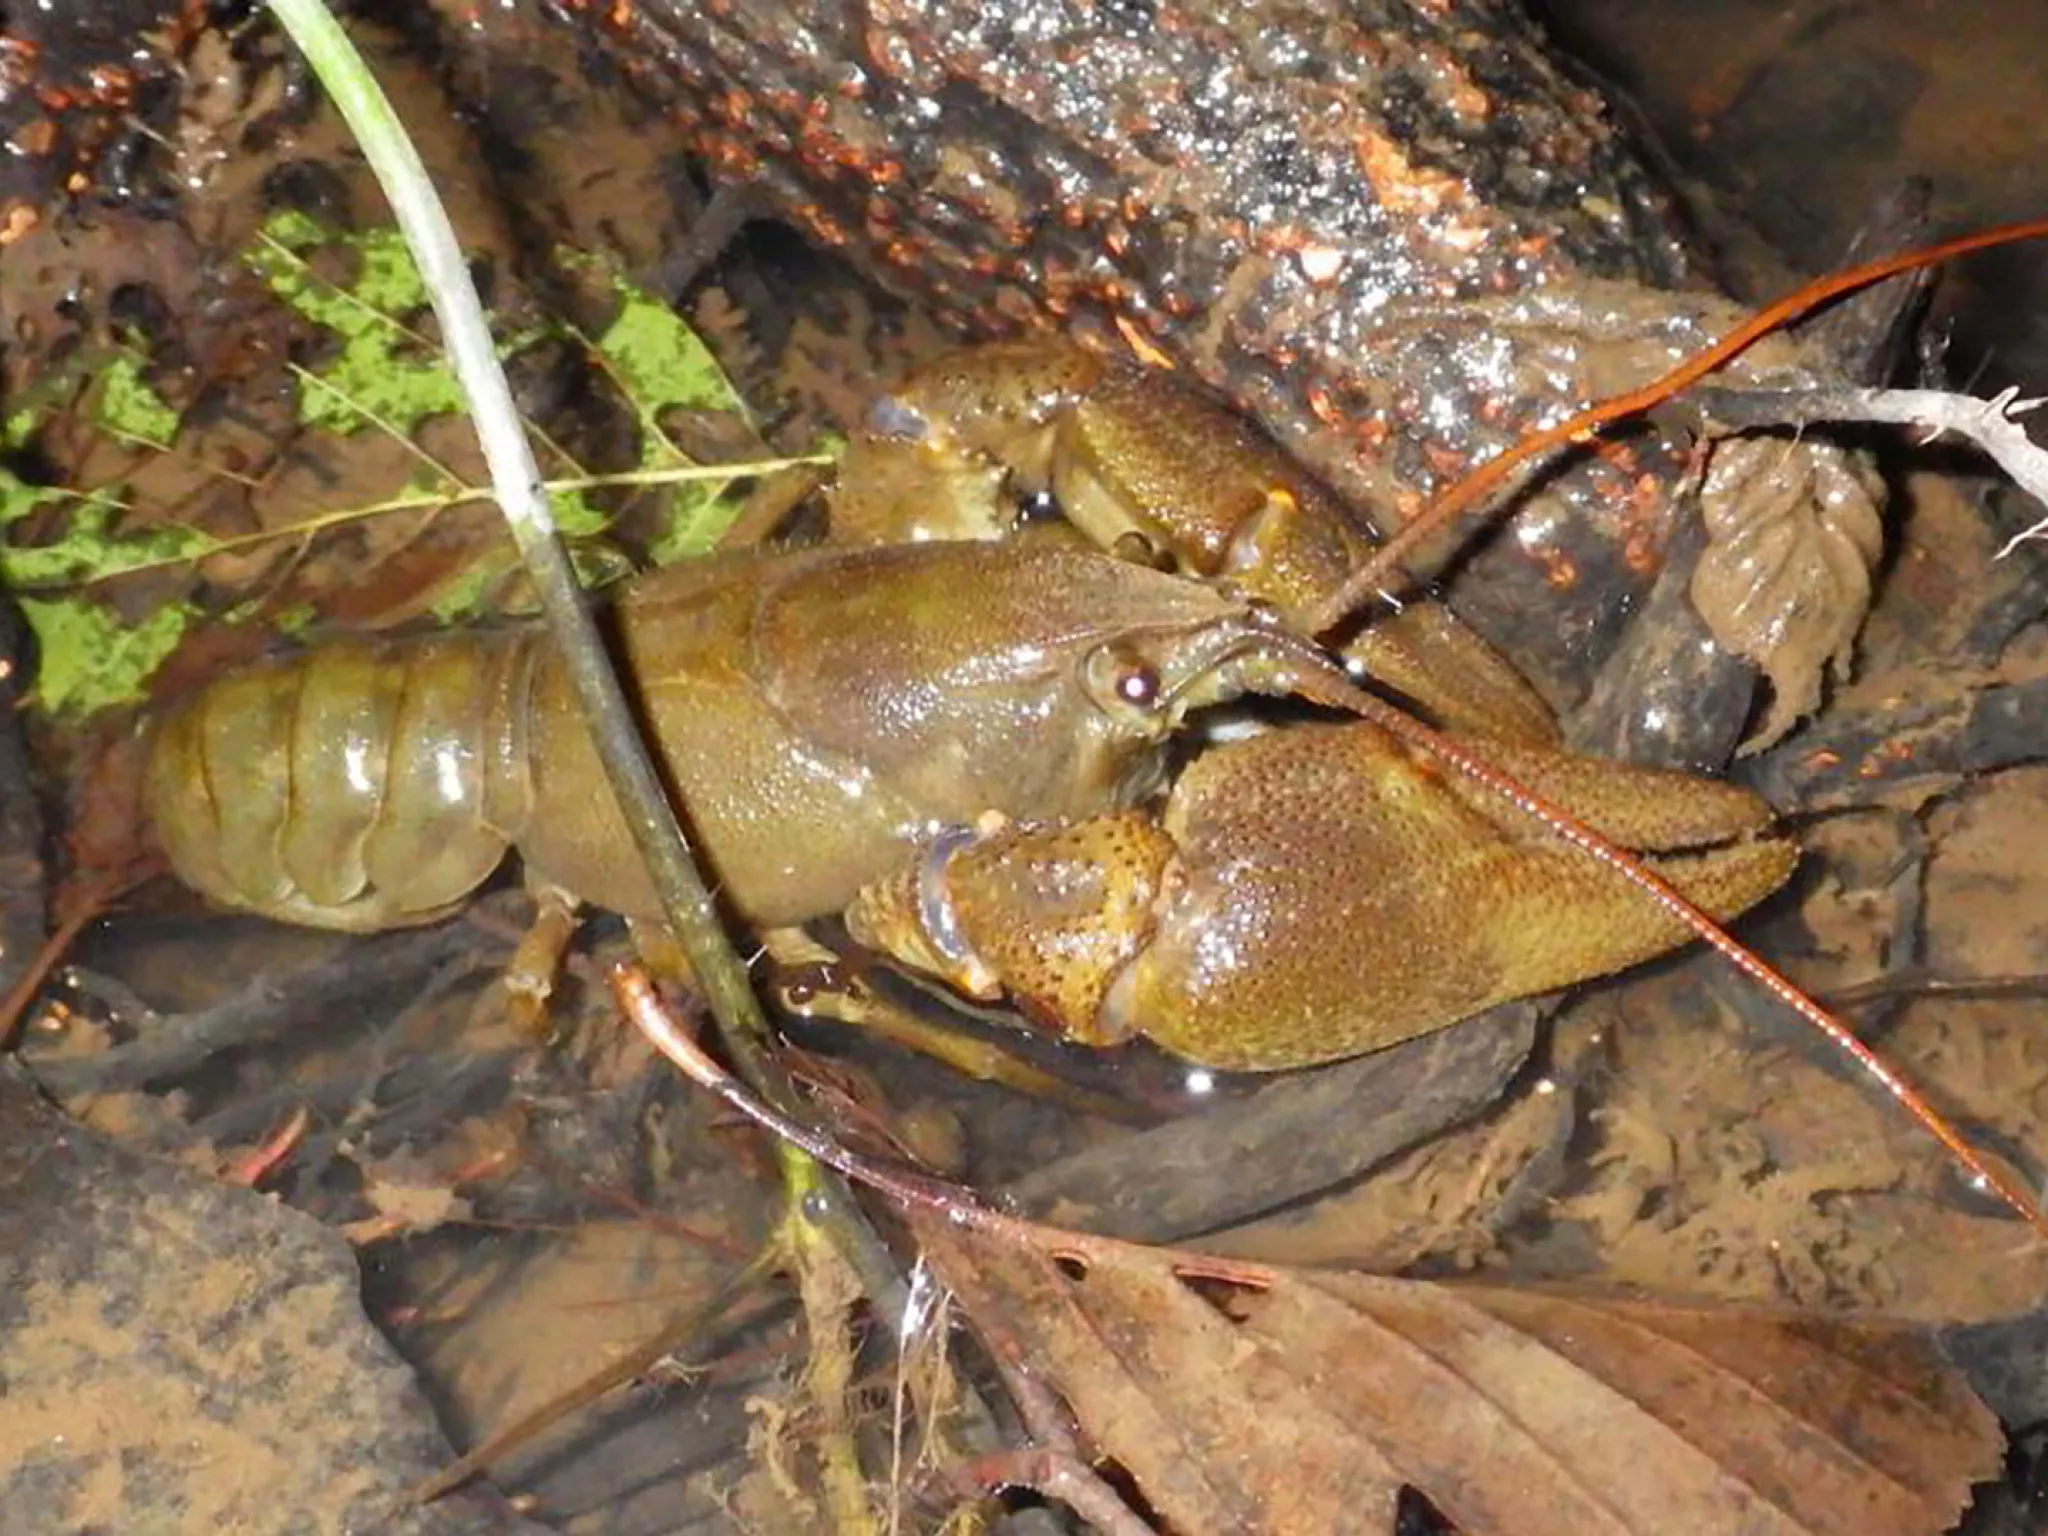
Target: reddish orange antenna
{"x": 1367, "y": 581}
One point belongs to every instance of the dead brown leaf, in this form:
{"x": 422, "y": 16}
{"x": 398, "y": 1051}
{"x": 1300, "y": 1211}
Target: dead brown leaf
{"x": 1305, "y": 1402}
{"x": 1793, "y": 532}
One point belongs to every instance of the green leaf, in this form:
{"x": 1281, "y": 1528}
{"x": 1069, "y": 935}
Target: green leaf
{"x": 384, "y": 374}
{"x": 92, "y": 546}
{"x": 92, "y": 658}
{"x": 18, "y": 428}
{"x": 660, "y": 364}
{"x": 19, "y": 499}
{"x": 659, "y": 361}
{"x": 128, "y": 405}
{"x": 696, "y": 518}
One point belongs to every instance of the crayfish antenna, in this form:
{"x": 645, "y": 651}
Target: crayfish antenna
{"x": 1983, "y": 1175}
{"x": 1366, "y": 583}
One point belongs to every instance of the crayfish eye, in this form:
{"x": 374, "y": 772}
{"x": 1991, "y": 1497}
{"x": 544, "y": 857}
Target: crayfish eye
{"x": 1137, "y": 686}
{"x": 1121, "y": 683}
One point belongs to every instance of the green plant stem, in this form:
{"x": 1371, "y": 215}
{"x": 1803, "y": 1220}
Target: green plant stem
{"x": 459, "y": 494}
{"x": 516, "y": 482}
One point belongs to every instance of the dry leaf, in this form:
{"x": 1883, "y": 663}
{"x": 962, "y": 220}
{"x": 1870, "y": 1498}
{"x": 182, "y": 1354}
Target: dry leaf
{"x": 1306, "y": 1405}
{"x": 1793, "y": 532}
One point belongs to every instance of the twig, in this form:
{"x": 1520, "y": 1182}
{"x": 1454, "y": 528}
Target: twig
{"x": 909, "y": 1189}
{"x": 266, "y": 1007}
{"x": 24, "y": 871}
{"x": 1856, "y": 757}
{"x": 1059, "y": 1476}
{"x": 1917, "y": 982}
{"x": 1992, "y": 424}
{"x": 915, "y": 1192}
{"x": 691, "y": 1326}
{"x": 460, "y": 494}
{"x": 1389, "y": 1101}
{"x": 1381, "y": 566}
{"x": 516, "y": 482}
{"x": 363, "y": 1088}
{"x": 91, "y": 906}
{"x": 257, "y": 1164}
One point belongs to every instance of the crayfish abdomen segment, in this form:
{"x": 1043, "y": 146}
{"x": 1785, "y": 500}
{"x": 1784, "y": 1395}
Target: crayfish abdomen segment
{"x": 361, "y": 785}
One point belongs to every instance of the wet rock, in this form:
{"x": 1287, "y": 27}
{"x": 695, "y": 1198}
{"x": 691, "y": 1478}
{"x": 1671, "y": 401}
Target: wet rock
{"x": 184, "y": 1355}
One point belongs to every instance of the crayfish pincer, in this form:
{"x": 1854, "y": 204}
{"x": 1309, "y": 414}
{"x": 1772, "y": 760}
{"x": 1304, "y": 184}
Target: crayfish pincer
{"x": 819, "y": 714}
{"x": 1148, "y": 465}
{"x": 1316, "y": 893}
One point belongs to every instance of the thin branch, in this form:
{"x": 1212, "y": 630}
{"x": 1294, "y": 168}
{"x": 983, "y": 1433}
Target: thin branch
{"x": 515, "y": 479}
{"x": 1993, "y": 425}
{"x": 265, "y": 1007}
{"x": 1058, "y": 1475}
{"x": 461, "y": 494}
{"x": 911, "y": 1190}
{"x": 726, "y": 1306}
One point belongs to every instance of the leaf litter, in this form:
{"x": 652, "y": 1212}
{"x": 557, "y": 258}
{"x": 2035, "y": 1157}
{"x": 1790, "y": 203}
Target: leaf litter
{"x": 1306, "y": 1401}
{"x": 1243, "y": 1397}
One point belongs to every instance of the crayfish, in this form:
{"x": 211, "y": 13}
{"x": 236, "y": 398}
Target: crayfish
{"x": 833, "y": 718}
